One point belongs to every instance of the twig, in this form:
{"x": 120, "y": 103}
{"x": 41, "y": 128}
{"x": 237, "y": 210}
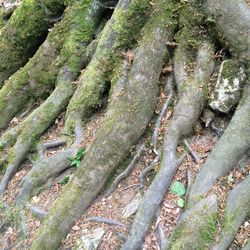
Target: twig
{"x": 25, "y": 112}
{"x": 158, "y": 121}
{"x": 189, "y": 182}
{"x": 126, "y": 172}
{"x": 191, "y": 151}
{"x": 106, "y": 221}
{"x": 146, "y": 171}
{"x": 130, "y": 186}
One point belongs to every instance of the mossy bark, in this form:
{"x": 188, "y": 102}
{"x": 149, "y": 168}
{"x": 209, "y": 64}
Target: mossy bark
{"x": 125, "y": 122}
{"x": 74, "y": 53}
{"x": 24, "y": 32}
{"x": 232, "y": 20}
{"x": 191, "y": 102}
{"x": 118, "y": 35}
{"x": 38, "y": 77}
{"x": 236, "y": 211}
{"x": 196, "y": 227}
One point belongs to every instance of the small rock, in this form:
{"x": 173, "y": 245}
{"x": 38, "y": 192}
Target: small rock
{"x": 132, "y": 207}
{"x": 90, "y": 241}
{"x": 228, "y": 87}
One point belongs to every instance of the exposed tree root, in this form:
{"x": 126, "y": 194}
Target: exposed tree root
{"x": 191, "y": 102}
{"x": 193, "y": 154}
{"x": 6, "y": 10}
{"x": 236, "y": 212}
{"x": 94, "y": 80}
{"x": 145, "y": 171}
{"x": 229, "y": 17}
{"x": 23, "y": 33}
{"x": 108, "y": 58}
{"x": 197, "y": 226}
{"x": 46, "y": 113}
{"x": 124, "y": 124}
{"x": 228, "y": 151}
{"x": 60, "y": 48}
{"x": 169, "y": 87}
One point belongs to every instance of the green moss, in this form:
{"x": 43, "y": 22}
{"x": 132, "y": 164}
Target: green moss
{"x": 23, "y": 33}
{"x": 81, "y": 33}
{"x": 183, "y": 237}
{"x": 208, "y": 231}
{"x": 228, "y": 220}
{"x": 38, "y": 77}
{"x": 230, "y": 69}
{"x": 190, "y": 35}
{"x": 88, "y": 96}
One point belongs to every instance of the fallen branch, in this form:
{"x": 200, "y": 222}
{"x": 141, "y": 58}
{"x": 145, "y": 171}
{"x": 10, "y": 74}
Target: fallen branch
{"x": 191, "y": 151}
{"x": 146, "y": 171}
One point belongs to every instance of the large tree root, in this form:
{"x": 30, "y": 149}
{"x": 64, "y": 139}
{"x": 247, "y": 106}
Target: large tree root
{"x": 94, "y": 81}
{"x": 197, "y": 226}
{"x": 6, "y": 10}
{"x": 24, "y": 32}
{"x": 191, "y": 102}
{"x": 236, "y": 211}
{"x": 228, "y": 151}
{"x": 229, "y": 17}
{"x": 125, "y": 122}
{"x": 39, "y": 75}
{"x": 42, "y": 118}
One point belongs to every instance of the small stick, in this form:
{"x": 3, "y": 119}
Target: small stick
{"x": 146, "y": 171}
{"x": 158, "y": 121}
{"x": 126, "y": 172}
{"x": 189, "y": 181}
{"x": 106, "y": 221}
{"x": 193, "y": 154}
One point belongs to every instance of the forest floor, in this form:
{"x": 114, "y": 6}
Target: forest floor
{"x": 113, "y": 206}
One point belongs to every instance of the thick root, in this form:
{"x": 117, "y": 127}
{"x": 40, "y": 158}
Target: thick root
{"x": 45, "y": 115}
{"x": 38, "y": 77}
{"x": 191, "y": 102}
{"x": 230, "y": 17}
{"x": 117, "y": 34}
{"x": 228, "y": 151}
{"x": 125, "y": 122}
{"x": 24, "y": 32}
{"x": 196, "y": 227}
{"x": 236, "y": 212}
